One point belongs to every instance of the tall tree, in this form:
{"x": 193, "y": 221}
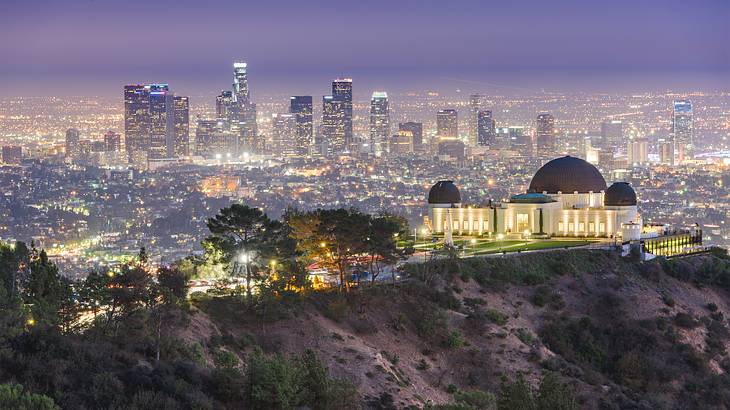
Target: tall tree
{"x": 331, "y": 237}
{"x": 381, "y": 242}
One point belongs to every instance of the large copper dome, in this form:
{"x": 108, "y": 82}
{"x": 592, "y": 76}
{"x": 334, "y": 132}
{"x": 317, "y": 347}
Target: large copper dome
{"x": 444, "y": 192}
{"x": 567, "y": 175}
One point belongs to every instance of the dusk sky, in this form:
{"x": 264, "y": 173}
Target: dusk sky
{"x": 82, "y": 47}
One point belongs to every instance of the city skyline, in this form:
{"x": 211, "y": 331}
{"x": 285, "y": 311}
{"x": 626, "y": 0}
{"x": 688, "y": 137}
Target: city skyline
{"x": 659, "y": 45}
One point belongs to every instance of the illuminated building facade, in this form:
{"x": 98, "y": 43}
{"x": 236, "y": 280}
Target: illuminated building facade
{"x": 301, "y": 107}
{"x": 181, "y": 135}
{"x": 447, "y": 124}
{"x": 477, "y": 104}
{"x": 545, "y": 134}
{"x": 379, "y": 123}
{"x": 334, "y": 124}
{"x": 682, "y": 129}
{"x": 342, "y": 91}
{"x": 486, "y": 134}
{"x": 567, "y": 197}
{"x": 284, "y": 134}
{"x": 416, "y": 131}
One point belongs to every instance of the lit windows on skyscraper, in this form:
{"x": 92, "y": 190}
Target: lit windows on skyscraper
{"x": 682, "y": 129}
{"x": 486, "y": 134}
{"x": 416, "y": 130}
{"x": 334, "y": 124}
{"x": 545, "y": 135}
{"x": 112, "y": 141}
{"x": 342, "y": 90}
{"x": 181, "y": 138}
{"x": 284, "y": 134}
{"x": 447, "y": 124}
{"x": 136, "y": 120}
{"x": 161, "y": 122}
{"x": 301, "y": 107}
{"x": 477, "y": 103}
{"x": 612, "y": 134}
{"x": 73, "y": 143}
{"x": 379, "y": 123}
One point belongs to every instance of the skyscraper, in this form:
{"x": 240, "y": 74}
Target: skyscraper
{"x": 545, "y": 134}
{"x": 246, "y": 108}
{"x": 486, "y": 134}
{"x": 682, "y": 129}
{"x": 342, "y": 90}
{"x": 214, "y": 138}
{"x": 612, "y": 134}
{"x": 155, "y": 122}
{"x": 519, "y": 141}
{"x": 333, "y": 124}
{"x": 447, "y": 124}
{"x": 161, "y": 134}
{"x": 224, "y": 105}
{"x": 416, "y": 130}
{"x": 477, "y": 103}
{"x": 136, "y": 120}
{"x": 379, "y": 123}
{"x": 181, "y": 138}
{"x": 73, "y": 143}
{"x": 301, "y": 107}
{"x": 112, "y": 141}
{"x": 284, "y": 134}
{"x": 638, "y": 151}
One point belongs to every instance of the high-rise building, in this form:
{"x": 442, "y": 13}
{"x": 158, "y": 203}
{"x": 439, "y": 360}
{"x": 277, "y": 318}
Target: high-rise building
{"x": 486, "y": 134}
{"x": 666, "y": 151}
{"x": 73, "y": 143}
{"x": 612, "y": 134}
{"x": 545, "y": 134}
{"x": 334, "y": 124}
{"x": 181, "y": 138}
{"x": 379, "y": 123}
{"x": 225, "y": 105}
{"x": 12, "y": 154}
{"x": 401, "y": 143}
{"x": 245, "y": 107}
{"x": 284, "y": 134}
{"x": 161, "y": 122}
{"x": 156, "y": 122}
{"x": 637, "y": 151}
{"x": 215, "y": 138}
{"x": 112, "y": 141}
{"x": 136, "y": 120}
{"x": 301, "y": 107}
{"x": 477, "y": 103}
{"x": 416, "y": 130}
{"x": 452, "y": 150}
{"x": 682, "y": 129}
{"x": 342, "y": 90}
{"x": 520, "y": 141}
{"x": 447, "y": 124}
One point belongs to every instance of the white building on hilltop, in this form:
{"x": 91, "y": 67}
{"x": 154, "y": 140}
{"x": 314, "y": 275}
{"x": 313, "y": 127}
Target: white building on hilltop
{"x": 567, "y": 197}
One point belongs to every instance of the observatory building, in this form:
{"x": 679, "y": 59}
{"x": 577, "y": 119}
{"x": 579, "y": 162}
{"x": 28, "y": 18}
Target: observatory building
{"x": 567, "y": 197}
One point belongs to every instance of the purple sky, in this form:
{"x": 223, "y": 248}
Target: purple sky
{"x": 82, "y": 47}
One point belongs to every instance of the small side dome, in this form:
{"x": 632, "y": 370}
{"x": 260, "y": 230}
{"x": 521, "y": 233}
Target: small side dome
{"x": 620, "y": 194}
{"x": 444, "y": 192}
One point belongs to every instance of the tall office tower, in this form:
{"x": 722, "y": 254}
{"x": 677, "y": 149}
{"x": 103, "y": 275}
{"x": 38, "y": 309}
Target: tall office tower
{"x": 284, "y": 134}
{"x": 215, "y": 138}
{"x": 181, "y": 136}
{"x": 519, "y": 141}
{"x": 416, "y": 129}
{"x": 246, "y": 108}
{"x": 333, "y": 124}
{"x": 638, "y": 151}
{"x": 224, "y": 105}
{"x": 112, "y": 141}
{"x": 301, "y": 107}
{"x": 612, "y": 134}
{"x": 342, "y": 89}
{"x": 73, "y": 143}
{"x": 161, "y": 122}
{"x": 379, "y": 123}
{"x": 545, "y": 134}
{"x": 401, "y": 143}
{"x": 452, "y": 150}
{"x": 682, "y": 129}
{"x": 447, "y": 124}
{"x": 486, "y": 134}
{"x": 136, "y": 120}
{"x": 666, "y": 151}
{"x": 477, "y": 103}
{"x": 12, "y": 154}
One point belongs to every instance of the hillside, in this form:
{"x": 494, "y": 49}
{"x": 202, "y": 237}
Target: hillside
{"x": 561, "y": 330}
{"x": 621, "y": 333}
